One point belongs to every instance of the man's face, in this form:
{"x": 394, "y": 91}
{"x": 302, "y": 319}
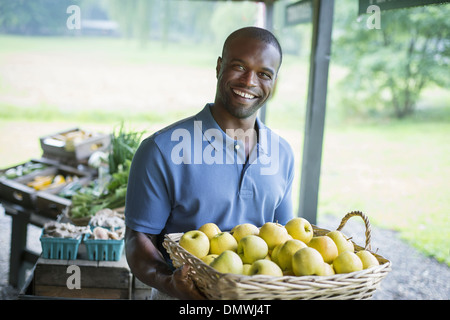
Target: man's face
{"x": 246, "y": 76}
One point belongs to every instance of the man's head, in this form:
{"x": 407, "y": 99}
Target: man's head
{"x": 247, "y": 71}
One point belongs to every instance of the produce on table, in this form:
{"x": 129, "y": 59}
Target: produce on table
{"x": 100, "y": 233}
{"x": 51, "y": 181}
{"x": 54, "y": 229}
{"x": 99, "y": 195}
{"x": 23, "y": 169}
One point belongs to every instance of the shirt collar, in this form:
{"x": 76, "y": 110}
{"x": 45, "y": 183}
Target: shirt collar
{"x": 207, "y": 121}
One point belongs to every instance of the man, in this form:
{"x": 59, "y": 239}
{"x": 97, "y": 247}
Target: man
{"x": 221, "y": 165}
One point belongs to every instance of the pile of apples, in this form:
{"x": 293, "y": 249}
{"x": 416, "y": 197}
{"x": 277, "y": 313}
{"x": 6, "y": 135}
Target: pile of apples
{"x": 276, "y": 250}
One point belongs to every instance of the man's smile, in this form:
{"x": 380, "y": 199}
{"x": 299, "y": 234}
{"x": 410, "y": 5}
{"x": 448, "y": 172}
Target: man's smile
{"x": 243, "y": 94}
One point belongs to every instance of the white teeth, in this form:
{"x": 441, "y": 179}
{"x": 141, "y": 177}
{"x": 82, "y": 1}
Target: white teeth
{"x": 243, "y": 94}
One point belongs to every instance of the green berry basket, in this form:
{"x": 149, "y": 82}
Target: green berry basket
{"x": 225, "y": 286}
{"x": 103, "y": 250}
{"x": 59, "y": 248}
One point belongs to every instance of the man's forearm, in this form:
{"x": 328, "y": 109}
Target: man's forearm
{"x": 145, "y": 260}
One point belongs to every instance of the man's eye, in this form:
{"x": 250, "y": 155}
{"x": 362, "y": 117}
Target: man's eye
{"x": 265, "y": 75}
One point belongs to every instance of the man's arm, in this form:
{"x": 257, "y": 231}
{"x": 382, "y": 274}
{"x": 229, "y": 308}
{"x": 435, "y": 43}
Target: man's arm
{"x": 148, "y": 265}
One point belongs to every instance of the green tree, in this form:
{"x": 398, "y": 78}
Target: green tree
{"x": 389, "y": 67}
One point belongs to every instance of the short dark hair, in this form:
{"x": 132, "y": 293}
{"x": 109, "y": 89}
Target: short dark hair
{"x": 255, "y": 33}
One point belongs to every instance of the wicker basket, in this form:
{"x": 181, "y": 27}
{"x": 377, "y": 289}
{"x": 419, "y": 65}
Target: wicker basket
{"x": 220, "y": 286}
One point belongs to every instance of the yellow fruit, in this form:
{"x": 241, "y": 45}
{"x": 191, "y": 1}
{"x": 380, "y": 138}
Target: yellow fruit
{"x": 341, "y": 241}
{"x": 307, "y": 261}
{"x": 300, "y": 229}
{"x": 347, "y": 262}
{"x": 326, "y": 246}
{"x": 368, "y": 259}
{"x": 221, "y": 242}
{"x": 228, "y": 262}
{"x": 273, "y": 234}
{"x": 195, "y": 242}
{"x": 209, "y": 258}
{"x": 243, "y": 230}
{"x": 210, "y": 229}
{"x": 286, "y": 251}
{"x": 327, "y": 270}
{"x": 266, "y": 267}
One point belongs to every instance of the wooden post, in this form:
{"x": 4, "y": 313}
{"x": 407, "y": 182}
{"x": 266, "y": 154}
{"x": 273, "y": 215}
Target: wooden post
{"x": 315, "y": 113}
{"x": 269, "y": 26}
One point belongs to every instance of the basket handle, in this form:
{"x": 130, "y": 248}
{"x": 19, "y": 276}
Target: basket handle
{"x": 366, "y": 222}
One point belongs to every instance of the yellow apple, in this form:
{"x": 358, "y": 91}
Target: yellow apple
{"x": 307, "y": 261}
{"x": 327, "y": 270}
{"x": 326, "y": 246}
{"x": 246, "y": 269}
{"x": 368, "y": 259}
{"x": 195, "y": 242}
{"x": 209, "y": 258}
{"x": 251, "y": 248}
{"x": 265, "y": 267}
{"x": 273, "y": 234}
{"x": 341, "y": 241}
{"x": 210, "y": 229}
{"x": 243, "y": 230}
{"x": 286, "y": 251}
{"x": 274, "y": 253}
{"x": 300, "y": 229}
{"x": 347, "y": 262}
{"x": 228, "y": 262}
{"x": 221, "y": 242}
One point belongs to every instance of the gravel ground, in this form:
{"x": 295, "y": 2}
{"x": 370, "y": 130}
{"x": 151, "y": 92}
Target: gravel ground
{"x": 413, "y": 276}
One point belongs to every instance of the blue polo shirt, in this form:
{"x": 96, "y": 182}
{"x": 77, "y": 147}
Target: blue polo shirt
{"x": 192, "y": 172}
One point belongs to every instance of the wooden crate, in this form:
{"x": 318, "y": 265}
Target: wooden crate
{"x": 53, "y": 148}
{"x": 16, "y": 191}
{"x": 98, "y": 279}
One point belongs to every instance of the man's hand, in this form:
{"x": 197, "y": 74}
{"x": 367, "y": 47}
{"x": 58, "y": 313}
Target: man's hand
{"x": 148, "y": 265}
{"x": 184, "y": 286}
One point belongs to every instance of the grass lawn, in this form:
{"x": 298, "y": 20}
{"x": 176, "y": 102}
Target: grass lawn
{"x": 397, "y": 172}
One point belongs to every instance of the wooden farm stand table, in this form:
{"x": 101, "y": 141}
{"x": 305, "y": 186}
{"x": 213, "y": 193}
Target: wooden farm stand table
{"x": 54, "y": 279}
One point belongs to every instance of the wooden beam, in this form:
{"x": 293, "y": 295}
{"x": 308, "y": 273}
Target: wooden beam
{"x": 269, "y": 26}
{"x": 316, "y": 105}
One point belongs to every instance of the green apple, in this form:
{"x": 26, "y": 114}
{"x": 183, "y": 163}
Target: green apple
{"x": 341, "y": 241}
{"x": 307, "y": 261}
{"x": 326, "y": 246}
{"x": 251, "y": 248}
{"x": 209, "y": 258}
{"x": 273, "y": 234}
{"x": 228, "y": 262}
{"x": 210, "y": 229}
{"x": 221, "y": 242}
{"x": 245, "y": 229}
{"x": 347, "y": 262}
{"x": 195, "y": 242}
{"x": 300, "y": 229}
{"x": 265, "y": 267}
{"x": 368, "y": 259}
{"x": 327, "y": 270}
{"x": 286, "y": 251}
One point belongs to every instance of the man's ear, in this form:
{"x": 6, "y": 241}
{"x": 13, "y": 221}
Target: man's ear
{"x": 218, "y": 66}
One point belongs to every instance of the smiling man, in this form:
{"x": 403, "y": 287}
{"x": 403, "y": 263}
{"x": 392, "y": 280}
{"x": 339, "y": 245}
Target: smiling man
{"x": 174, "y": 189}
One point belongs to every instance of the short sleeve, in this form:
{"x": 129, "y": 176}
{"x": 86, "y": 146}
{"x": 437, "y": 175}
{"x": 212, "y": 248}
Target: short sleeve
{"x": 147, "y": 205}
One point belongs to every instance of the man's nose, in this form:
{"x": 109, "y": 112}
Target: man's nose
{"x": 249, "y": 79}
